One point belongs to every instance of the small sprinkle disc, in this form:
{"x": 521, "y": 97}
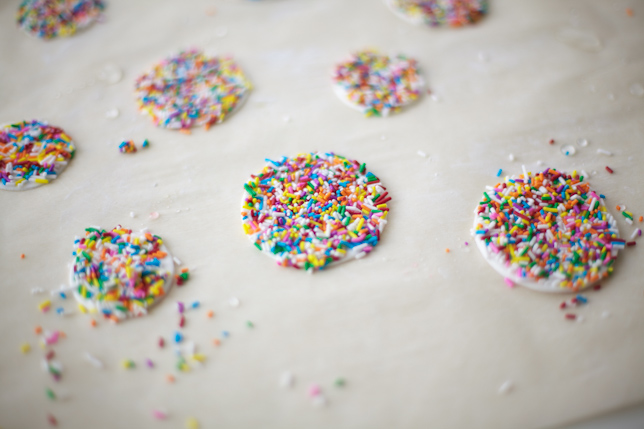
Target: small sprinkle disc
{"x": 376, "y": 84}
{"x": 550, "y": 232}
{"x": 120, "y": 273}
{"x": 52, "y": 18}
{"x": 191, "y": 89}
{"x": 314, "y": 209}
{"x": 32, "y": 154}
{"x": 454, "y": 13}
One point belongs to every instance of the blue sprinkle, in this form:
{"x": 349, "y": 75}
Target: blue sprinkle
{"x": 178, "y": 337}
{"x": 195, "y": 304}
{"x": 226, "y": 334}
{"x": 581, "y": 299}
{"x": 63, "y": 296}
{"x": 60, "y": 310}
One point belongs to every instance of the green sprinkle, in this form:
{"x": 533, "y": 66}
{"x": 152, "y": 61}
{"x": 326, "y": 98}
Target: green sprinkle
{"x": 627, "y": 215}
{"x": 340, "y": 382}
{"x": 258, "y": 246}
{"x": 250, "y": 190}
{"x": 362, "y": 167}
{"x": 50, "y": 394}
{"x": 250, "y": 324}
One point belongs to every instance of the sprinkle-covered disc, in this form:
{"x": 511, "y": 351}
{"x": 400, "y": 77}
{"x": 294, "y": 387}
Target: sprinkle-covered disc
{"x": 314, "y": 209}
{"x": 550, "y": 231}
{"x": 454, "y": 13}
{"x": 32, "y": 153}
{"x": 120, "y": 273}
{"x": 191, "y": 89}
{"x": 52, "y": 18}
{"x": 377, "y": 84}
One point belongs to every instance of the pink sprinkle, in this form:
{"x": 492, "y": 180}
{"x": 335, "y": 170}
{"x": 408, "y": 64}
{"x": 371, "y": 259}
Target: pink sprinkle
{"x": 53, "y": 338}
{"x": 180, "y": 306}
{"x": 467, "y": 244}
{"x": 154, "y": 215}
{"x": 314, "y": 390}
{"x": 159, "y": 415}
{"x": 508, "y": 282}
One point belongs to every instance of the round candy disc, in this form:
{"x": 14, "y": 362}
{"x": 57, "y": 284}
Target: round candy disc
{"x": 32, "y": 154}
{"x": 454, "y": 13}
{"x": 548, "y": 231}
{"x": 52, "y": 18}
{"x": 376, "y": 84}
{"x": 120, "y": 273}
{"x": 191, "y": 89}
{"x": 314, "y": 209}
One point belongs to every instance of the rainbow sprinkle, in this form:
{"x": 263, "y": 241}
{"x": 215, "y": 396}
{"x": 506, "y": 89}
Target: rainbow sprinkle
{"x": 127, "y": 146}
{"x": 314, "y": 209}
{"x": 191, "y": 89}
{"x": 454, "y": 13}
{"x": 32, "y": 153}
{"x": 52, "y": 18}
{"x": 548, "y": 231}
{"x": 376, "y": 84}
{"x": 119, "y": 273}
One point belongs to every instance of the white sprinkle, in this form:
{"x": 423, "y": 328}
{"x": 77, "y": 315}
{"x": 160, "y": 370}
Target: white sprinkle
{"x": 435, "y": 97}
{"x": 233, "y": 302}
{"x": 628, "y": 221}
{"x": 511, "y": 157}
{"x": 176, "y": 260}
{"x": 93, "y": 360}
{"x": 112, "y": 113}
{"x": 132, "y": 215}
{"x": 286, "y": 379}
{"x": 506, "y": 387}
{"x": 582, "y": 142}
{"x": 319, "y": 400}
{"x": 154, "y": 215}
{"x": 605, "y": 314}
{"x": 580, "y": 319}
{"x": 421, "y": 153}
{"x": 604, "y": 152}
{"x": 525, "y": 172}
{"x": 37, "y": 290}
{"x": 539, "y": 162}
{"x": 286, "y": 118}
{"x": 635, "y": 233}
{"x": 383, "y": 137}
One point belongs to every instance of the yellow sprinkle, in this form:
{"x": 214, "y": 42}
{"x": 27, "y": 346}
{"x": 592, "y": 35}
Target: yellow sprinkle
{"x": 82, "y": 308}
{"x": 192, "y": 423}
{"x": 199, "y": 357}
{"x": 41, "y": 181}
{"x": 381, "y": 206}
{"x": 44, "y": 305}
{"x": 25, "y": 348}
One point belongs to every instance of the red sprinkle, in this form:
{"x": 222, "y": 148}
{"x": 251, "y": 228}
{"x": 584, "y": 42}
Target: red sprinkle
{"x": 161, "y": 342}
{"x": 52, "y": 420}
{"x": 50, "y": 355}
{"x": 563, "y": 305}
{"x": 571, "y": 316}
{"x": 182, "y": 321}
{"x": 552, "y": 141}
{"x": 631, "y": 243}
{"x": 610, "y": 170}
{"x": 597, "y": 287}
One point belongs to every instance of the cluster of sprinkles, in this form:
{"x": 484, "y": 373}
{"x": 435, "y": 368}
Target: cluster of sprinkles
{"x": 32, "y": 153}
{"x": 57, "y": 18}
{"x": 128, "y": 146}
{"x": 119, "y": 273}
{"x": 377, "y": 84}
{"x": 191, "y": 89}
{"x": 549, "y": 230}
{"x": 455, "y": 13}
{"x": 314, "y": 209}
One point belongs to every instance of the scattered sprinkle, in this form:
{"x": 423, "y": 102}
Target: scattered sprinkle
{"x": 94, "y": 360}
{"x": 423, "y": 154}
{"x": 178, "y": 337}
{"x": 146, "y": 143}
{"x": 314, "y": 390}
{"x": 604, "y": 152}
{"x": 552, "y": 141}
{"x": 286, "y": 379}
{"x": 169, "y": 378}
{"x": 112, "y": 113}
{"x": 215, "y": 86}
{"x": 250, "y": 324}
{"x": 127, "y": 146}
{"x": 128, "y": 364}
{"x": 210, "y": 314}
{"x": 154, "y": 215}
{"x": 216, "y": 341}
{"x": 568, "y": 150}
{"x": 52, "y": 420}
{"x": 570, "y": 316}
{"x": 340, "y": 382}
{"x": 44, "y": 306}
{"x": 192, "y": 423}
{"x": 149, "y": 363}
{"x": 38, "y": 330}
{"x": 225, "y": 334}
{"x": 161, "y": 342}
{"x": 25, "y": 348}
{"x": 233, "y": 302}
{"x": 159, "y": 415}
{"x": 506, "y": 387}
{"x": 377, "y": 84}
{"x": 50, "y": 394}
{"x": 498, "y": 173}
{"x": 610, "y": 170}
{"x": 629, "y": 12}
{"x": 182, "y": 277}
{"x": 508, "y": 282}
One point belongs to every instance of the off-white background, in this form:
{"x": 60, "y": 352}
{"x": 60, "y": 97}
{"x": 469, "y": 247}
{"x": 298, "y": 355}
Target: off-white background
{"x": 423, "y": 338}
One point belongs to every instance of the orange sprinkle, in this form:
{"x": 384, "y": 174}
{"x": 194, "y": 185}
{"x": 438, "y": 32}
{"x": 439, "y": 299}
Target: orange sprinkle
{"x": 22, "y": 256}
{"x": 169, "y": 378}
{"x": 62, "y": 334}
{"x": 37, "y": 329}
{"x": 216, "y": 341}
{"x": 629, "y": 12}
{"x": 93, "y": 323}
{"x": 210, "y": 314}
{"x": 447, "y": 250}
{"x": 185, "y": 131}
{"x": 641, "y": 218}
